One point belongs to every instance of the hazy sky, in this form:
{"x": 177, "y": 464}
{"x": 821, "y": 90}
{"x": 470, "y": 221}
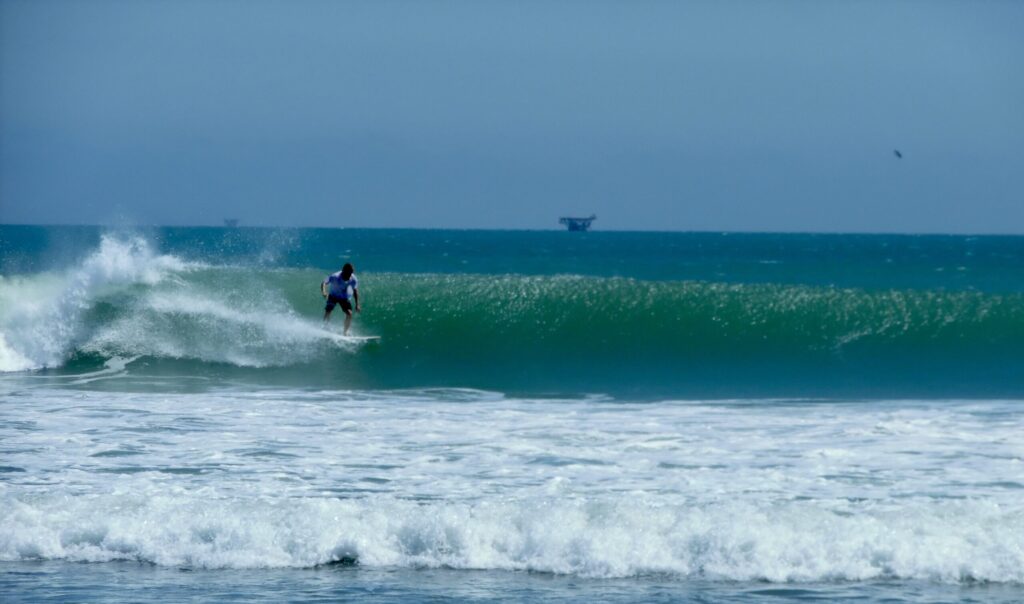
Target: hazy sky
{"x": 654, "y": 115}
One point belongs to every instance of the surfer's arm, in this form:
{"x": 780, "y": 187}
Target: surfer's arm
{"x": 355, "y": 295}
{"x": 323, "y": 289}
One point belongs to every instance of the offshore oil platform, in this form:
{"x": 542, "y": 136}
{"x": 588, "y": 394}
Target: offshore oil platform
{"x": 577, "y": 224}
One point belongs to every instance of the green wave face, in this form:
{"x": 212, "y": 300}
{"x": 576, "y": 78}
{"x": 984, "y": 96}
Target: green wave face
{"x": 557, "y": 334}
{"x": 208, "y": 320}
{"x": 701, "y": 337}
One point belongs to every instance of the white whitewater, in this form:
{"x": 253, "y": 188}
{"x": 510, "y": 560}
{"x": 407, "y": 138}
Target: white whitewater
{"x": 763, "y": 490}
{"x": 43, "y": 317}
{"x": 40, "y": 315}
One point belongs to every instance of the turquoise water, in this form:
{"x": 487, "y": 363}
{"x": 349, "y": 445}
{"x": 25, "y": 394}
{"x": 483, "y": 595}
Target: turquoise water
{"x": 638, "y": 314}
{"x": 548, "y": 415}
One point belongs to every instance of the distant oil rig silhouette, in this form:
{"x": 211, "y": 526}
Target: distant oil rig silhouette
{"x": 577, "y": 224}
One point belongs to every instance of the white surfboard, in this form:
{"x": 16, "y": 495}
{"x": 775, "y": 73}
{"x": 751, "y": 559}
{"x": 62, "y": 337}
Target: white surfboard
{"x": 361, "y": 338}
{"x": 336, "y": 336}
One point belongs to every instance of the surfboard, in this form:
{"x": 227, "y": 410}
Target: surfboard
{"x": 361, "y": 338}
{"x": 334, "y": 332}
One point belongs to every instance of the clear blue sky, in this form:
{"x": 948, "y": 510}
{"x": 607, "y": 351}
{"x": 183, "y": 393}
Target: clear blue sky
{"x": 680, "y": 115}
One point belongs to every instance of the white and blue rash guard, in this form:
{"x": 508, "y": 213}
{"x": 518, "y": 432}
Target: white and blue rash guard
{"x": 338, "y": 287}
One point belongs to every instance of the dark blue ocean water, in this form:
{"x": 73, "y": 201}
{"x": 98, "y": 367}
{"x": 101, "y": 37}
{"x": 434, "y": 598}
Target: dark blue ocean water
{"x": 950, "y": 262}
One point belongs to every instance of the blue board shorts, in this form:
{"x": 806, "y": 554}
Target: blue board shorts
{"x": 332, "y": 300}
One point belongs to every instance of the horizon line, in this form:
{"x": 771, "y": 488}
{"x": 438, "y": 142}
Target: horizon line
{"x": 523, "y": 230}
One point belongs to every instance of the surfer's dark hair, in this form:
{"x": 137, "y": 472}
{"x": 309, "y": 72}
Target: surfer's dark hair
{"x": 347, "y": 270}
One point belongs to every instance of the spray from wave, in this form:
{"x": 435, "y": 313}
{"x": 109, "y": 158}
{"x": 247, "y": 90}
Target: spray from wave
{"x": 126, "y": 299}
{"x": 40, "y": 315}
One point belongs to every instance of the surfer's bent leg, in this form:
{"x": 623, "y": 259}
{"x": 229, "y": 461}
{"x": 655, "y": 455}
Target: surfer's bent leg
{"x": 347, "y": 307}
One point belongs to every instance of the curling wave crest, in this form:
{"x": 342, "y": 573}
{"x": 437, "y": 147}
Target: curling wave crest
{"x": 124, "y": 299}
{"x": 41, "y": 315}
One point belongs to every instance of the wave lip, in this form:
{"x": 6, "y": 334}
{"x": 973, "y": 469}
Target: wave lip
{"x": 126, "y": 300}
{"x": 943, "y": 541}
{"x": 40, "y": 316}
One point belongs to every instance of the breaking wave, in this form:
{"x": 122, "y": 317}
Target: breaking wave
{"x": 951, "y": 541}
{"x": 124, "y": 298}
{"x": 513, "y": 331}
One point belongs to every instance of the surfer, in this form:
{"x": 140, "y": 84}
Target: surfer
{"x": 335, "y": 288}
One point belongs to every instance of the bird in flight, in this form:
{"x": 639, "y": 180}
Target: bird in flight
{"x": 897, "y": 153}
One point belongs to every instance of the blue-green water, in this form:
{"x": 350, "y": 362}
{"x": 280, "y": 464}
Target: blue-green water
{"x": 548, "y": 415}
{"x": 643, "y": 314}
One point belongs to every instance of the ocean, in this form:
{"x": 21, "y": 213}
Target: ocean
{"x": 548, "y": 415}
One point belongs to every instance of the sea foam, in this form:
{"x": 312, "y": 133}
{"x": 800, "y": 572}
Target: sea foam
{"x": 952, "y": 541}
{"x": 761, "y": 490}
{"x": 156, "y": 311}
{"x": 40, "y": 315}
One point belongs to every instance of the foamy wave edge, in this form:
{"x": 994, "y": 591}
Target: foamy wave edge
{"x": 944, "y": 541}
{"x": 39, "y": 315}
{"x": 43, "y": 316}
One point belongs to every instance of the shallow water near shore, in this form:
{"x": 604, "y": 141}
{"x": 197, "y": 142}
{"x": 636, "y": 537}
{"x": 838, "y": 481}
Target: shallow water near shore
{"x": 132, "y": 582}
